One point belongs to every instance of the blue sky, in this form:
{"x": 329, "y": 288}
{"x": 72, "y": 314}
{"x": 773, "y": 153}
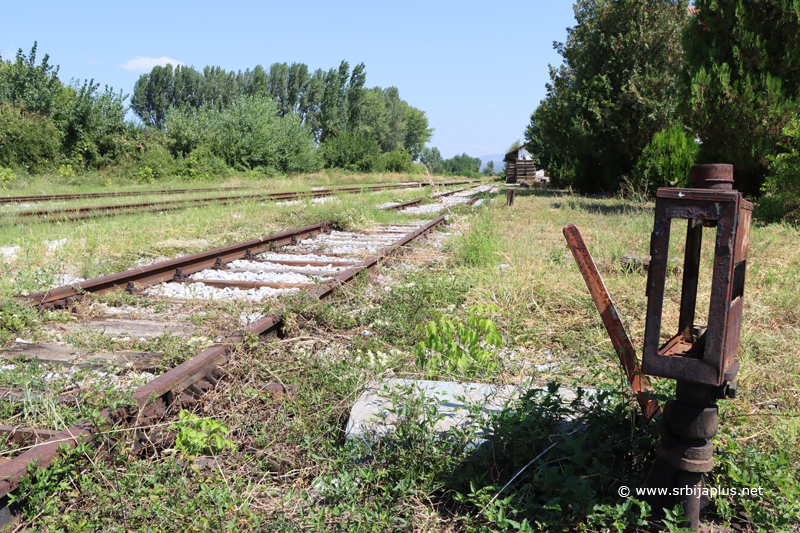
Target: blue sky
{"x": 478, "y": 69}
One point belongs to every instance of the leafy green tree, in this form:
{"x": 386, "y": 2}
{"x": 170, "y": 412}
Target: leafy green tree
{"x": 417, "y": 131}
{"x": 154, "y": 95}
{"x": 616, "y": 89}
{"x": 398, "y": 161}
{"x": 489, "y": 170}
{"x": 461, "y": 165}
{"x": 247, "y": 134}
{"x": 431, "y": 158}
{"x": 355, "y": 97}
{"x": 92, "y": 122}
{"x": 741, "y": 82}
{"x": 23, "y": 82}
{"x": 397, "y": 117}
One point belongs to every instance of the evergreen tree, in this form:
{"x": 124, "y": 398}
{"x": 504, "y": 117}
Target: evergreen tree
{"x": 741, "y": 80}
{"x": 616, "y": 89}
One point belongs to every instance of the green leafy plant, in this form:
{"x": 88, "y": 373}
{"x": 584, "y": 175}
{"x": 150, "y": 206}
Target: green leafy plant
{"x": 6, "y": 176}
{"x": 201, "y": 436}
{"x": 352, "y": 152}
{"x": 666, "y": 161}
{"x": 782, "y": 187}
{"x": 66, "y": 171}
{"x": 468, "y": 347}
{"x": 620, "y": 517}
{"x": 145, "y": 175}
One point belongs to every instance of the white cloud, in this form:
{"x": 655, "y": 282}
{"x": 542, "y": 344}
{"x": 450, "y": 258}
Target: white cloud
{"x": 146, "y": 64}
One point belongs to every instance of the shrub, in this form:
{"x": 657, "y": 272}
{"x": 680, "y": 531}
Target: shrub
{"x": 6, "y": 176}
{"x": 782, "y": 187}
{"x": 27, "y": 139}
{"x": 248, "y": 134}
{"x": 158, "y": 162}
{"x": 398, "y": 161}
{"x": 351, "y": 152}
{"x": 200, "y": 164}
{"x": 666, "y": 161}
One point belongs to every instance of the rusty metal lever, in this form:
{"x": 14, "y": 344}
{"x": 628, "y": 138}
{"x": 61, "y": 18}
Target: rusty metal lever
{"x": 611, "y": 320}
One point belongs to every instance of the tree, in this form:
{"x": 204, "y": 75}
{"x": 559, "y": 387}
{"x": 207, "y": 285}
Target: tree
{"x": 431, "y": 158}
{"x": 417, "y": 131}
{"x": 616, "y": 89}
{"x": 489, "y": 170}
{"x": 22, "y": 81}
{"x": 461, "y": 165}
{"x": 741, "y": 82}
{"x": 154, "y": 95}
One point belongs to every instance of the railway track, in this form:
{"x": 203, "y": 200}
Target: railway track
{"x": 90, "y": 195}
{"x": 81, "y": 212}
{"x": 314, "y": 261}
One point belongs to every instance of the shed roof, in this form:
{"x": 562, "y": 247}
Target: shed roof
{"x": 517, "y": 153}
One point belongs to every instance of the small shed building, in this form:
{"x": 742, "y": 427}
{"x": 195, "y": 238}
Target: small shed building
{"x": 519, "y": 165}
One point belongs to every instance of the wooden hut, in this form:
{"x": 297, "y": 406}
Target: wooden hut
{"x": 519, "y": 165}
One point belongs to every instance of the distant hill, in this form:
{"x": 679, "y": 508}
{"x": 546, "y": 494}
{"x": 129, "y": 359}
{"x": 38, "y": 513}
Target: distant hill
{"x": 497, "y": 158}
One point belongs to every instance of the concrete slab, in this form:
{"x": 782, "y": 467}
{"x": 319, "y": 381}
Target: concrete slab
{"x": 371, "y": 417}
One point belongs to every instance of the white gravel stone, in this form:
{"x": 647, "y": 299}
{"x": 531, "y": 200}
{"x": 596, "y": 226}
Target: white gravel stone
{"x": 200, "y": 291}
{"x": 324, "y": 200}
{"x": 269, "y": 277}
{"x": 305, "y": 257}
{"x": 252, "y": 265}
{"x": 9, "y": 252}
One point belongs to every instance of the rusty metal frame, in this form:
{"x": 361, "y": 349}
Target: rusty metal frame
{"x": 611, "y": 320}
{"x": 681, "y": 357}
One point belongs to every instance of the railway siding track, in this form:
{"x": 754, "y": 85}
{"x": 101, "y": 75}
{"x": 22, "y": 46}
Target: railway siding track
{"x": 160, "y": 192}
{"x": 192, "y": 378}
{"x": 82, "y": 212}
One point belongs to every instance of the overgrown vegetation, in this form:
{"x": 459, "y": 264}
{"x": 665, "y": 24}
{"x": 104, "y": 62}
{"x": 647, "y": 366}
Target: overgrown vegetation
{"x": 548, "y": 462}
{"x": 637, "y": 76}
{"x": 202, "y": 125}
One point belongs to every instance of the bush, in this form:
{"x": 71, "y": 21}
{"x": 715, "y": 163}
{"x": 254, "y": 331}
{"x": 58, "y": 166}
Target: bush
{"x": 200, "y": 164}
{"x": 666, "y": 161}
{"x": 352, "y": 152}
{"x": 398, "y": 161}
{"x": 6, "y": 176}
{"x": 27, "y": 139}
{"x": 246, "y": 135}
{"x": 154, "y": 164}
{"x": 782, "y": 187}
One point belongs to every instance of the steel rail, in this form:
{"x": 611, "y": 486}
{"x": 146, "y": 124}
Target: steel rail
{"x": 79, "y": 212}
{"x": 164, "y": 387}
{"x": 168, "y": 270}
{"x": 89, "y": 195}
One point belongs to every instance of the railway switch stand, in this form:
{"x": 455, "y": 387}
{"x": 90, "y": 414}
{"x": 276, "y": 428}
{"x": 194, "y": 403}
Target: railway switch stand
{"x": 700, "y": 357}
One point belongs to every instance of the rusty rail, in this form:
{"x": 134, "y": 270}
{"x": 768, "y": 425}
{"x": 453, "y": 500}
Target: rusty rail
{"x": 167, "y": 270}
{"x": 81, "y": 212}
{"x": 160, "y": 192}
{"x": 164, "y": 387}
{"x": 611, "y": 320}
{"x": 89, "y": 195}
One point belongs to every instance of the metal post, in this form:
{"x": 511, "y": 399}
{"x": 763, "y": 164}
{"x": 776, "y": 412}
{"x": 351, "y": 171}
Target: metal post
{"x": 510, "y": 193}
